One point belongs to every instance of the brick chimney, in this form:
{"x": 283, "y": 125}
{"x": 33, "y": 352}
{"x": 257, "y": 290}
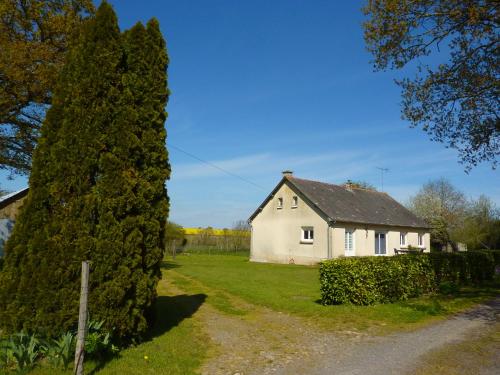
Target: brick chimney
{"x": 287, "y": 173}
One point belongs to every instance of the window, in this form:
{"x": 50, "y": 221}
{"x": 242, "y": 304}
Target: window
{"x": 349, "y": 242}
{"x": 280, "y": 202}
{"x": 402, "y": 239}
{"x": 380, "y": 243}
{"x": 307, "y": 235}
{"x": 420, "y": 240}
{"x": 295, "y": 201}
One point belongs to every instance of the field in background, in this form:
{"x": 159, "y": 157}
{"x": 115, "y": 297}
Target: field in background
{"x": 211, "y": 241}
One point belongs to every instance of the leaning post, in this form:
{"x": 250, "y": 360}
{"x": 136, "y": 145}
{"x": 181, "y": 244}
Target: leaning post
{"x": 82, "y": 319}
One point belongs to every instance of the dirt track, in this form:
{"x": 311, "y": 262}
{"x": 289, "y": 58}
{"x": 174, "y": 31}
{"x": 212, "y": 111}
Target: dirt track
{"x": 266, "y": 342}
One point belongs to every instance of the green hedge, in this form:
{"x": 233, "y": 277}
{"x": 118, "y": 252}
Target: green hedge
{"x": 472, "y": 267}
{"x": 368, "y": 280}
{"x": 496, "y": 255}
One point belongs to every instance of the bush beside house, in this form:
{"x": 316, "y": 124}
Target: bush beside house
{"x": 369, "y": 280}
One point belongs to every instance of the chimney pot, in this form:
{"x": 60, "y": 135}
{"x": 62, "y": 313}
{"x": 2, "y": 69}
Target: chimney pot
{"x": 287, "y": 173}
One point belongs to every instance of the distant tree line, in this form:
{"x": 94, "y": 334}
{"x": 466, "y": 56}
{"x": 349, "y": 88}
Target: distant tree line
{"x": 455, "y": 218}
{"x": 206, "y": 239}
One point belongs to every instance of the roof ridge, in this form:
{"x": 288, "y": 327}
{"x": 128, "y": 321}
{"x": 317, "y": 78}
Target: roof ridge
{"x": 341, "y": 186}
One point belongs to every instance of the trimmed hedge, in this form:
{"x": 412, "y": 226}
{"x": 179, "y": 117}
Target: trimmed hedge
{"x": 369, "y": 280}
{"x": 496, "y": 255}
{"x": 472, "y": 267}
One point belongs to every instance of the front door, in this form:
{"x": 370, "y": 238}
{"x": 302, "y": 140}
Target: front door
{"x": 380, "y": 243}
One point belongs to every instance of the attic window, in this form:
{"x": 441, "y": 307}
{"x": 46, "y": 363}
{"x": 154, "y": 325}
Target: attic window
{"x": 295, "y": 201}
{"x": 280, "y": 203}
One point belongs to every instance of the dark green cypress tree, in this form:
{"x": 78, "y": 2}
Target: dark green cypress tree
{"x": 97, "y": 188}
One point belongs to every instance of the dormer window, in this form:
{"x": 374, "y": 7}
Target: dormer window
{"x": 280, "y": 203}
{"x": 295, "y": 201}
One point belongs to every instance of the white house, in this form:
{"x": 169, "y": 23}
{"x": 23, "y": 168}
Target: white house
{"x": 305, "y": 222}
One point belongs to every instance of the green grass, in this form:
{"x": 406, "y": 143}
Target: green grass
{"x": 295, "y": 289}
{"x": 176, "y": 344}
{"x": 477, "y": 354}
{"x": 232, "y": 285}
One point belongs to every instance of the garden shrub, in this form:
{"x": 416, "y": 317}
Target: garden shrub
{"x": 495, "y": 254}
{"x": 97, "y": 189}
{"x": 472, "y": 267}
{"x": 369, "y": 280}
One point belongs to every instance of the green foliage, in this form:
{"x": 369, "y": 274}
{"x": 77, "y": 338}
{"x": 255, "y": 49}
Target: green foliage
{"x": 471, "y": 267}
{"x": 444, "y": 207}
{"x": 174, "y": 236}
{"x": 495, "y": 254}
{"x": 97, "y": 189}
{"x": 454, "y": 96}
{"x": 24, "y": 349}
{"x": 61, "y": 352}
{"x": 98, "y": 343}
{"x": 34, "y": 37}
{"x": 369, "y": 280}
{"x": 447, "y": 287}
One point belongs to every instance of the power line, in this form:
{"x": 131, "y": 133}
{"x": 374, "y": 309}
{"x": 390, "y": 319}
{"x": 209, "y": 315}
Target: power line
{"x": 216, "y": 167}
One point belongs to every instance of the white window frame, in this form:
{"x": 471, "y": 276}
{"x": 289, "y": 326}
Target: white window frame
{"x": 280, "y": 203}
{"x": 295, "y": 201}
{"x": 420, "y": 240}
{"x": 307, "y": 235}
{"x": 385, "y": 233}
{"x": 403, "y": 239}
{"x": 353, "y": 241}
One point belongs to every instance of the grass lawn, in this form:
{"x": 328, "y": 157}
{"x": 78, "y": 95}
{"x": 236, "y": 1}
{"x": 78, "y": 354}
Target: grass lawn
{"x": 176, "y": 346}
{"x": 179, "y": 344}
{"x": 295, "y": 289}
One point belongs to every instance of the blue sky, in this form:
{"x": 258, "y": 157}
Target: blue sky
{"x": 263, "y": 86}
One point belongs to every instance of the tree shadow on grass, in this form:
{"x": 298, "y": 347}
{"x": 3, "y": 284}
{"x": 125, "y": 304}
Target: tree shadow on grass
{"x": 433, "y": 307}
{"x": 169, "y": 264}
{"x": 168, "y": 312}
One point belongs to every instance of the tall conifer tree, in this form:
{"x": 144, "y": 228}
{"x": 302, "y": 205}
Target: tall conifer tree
{"x": 97, "y": 188}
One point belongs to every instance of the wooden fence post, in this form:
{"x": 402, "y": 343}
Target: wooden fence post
{"x": 82, "y": 320}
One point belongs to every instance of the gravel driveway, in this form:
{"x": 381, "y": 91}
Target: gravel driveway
{"x": 400, "y": 353}
{"x": 275, "y": 343}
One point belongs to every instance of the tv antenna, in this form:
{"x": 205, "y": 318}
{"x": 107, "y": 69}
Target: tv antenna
{"x": 382, "y": 171}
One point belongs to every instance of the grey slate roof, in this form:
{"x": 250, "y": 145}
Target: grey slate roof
{"x": 362, "y": 206}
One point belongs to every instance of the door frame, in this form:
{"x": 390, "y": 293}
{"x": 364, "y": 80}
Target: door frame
{"x": 384, "y": 232}
{"x": 353, "y": 231}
